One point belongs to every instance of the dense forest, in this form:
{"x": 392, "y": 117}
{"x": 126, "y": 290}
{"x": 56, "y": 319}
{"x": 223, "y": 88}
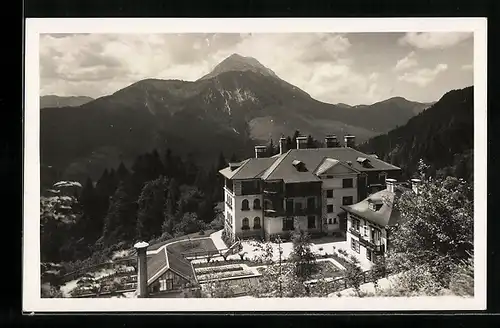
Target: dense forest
{"x": 156, "y": 199}
{"x": 442, "y": 135}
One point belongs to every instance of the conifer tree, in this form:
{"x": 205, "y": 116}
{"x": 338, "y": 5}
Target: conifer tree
{"x": 221, "y": 162}
{"x": 120, "y": 220}
{"x": 122, "y": 172}
{"x": 150, "y": 208}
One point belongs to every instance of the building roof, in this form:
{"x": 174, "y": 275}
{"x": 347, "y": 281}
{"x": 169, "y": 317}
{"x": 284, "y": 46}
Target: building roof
{"x": 387, "y": 215}
{"x": 165, "y": 260}
{"x": 251, "y": 168}
{"x": 315, "y": 160}
{"x": 314, "y": 157}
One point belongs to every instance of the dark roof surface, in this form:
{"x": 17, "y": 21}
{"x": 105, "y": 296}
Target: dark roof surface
{"x": 312, "y": 158}
{"x": 280, "y": 167}
{"x": 251, "y": 168}
{"x": 387, "y": 215}
{"x": 156, "y": 263}
{"x": 181, "y": 266}
{"x": 167, "y": 259}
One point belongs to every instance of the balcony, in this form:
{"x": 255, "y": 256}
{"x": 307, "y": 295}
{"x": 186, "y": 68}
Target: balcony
{"x": 303, "y": 211}
{"x": 377, "y": 249}
{"x": 355, "y": 232}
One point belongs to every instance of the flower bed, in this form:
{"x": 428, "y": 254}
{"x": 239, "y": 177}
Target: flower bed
{"x": 219, "y": 269}
{"x": 327, "y": 269}
{"x": 227, "y": 274}
{"x": 214, "y": 263}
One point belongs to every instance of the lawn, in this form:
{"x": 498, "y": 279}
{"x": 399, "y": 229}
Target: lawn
{"x": 195, "y": 235}
{"x": 225, "y": 274}
{"x": 194, "y": 246}
{"x": 327, "y": 269}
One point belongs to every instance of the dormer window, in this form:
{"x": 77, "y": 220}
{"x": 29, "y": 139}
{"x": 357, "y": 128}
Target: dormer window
{"x": 374, "y": 206}
{"x": 299, "y": 165}
{"x": 365, "y": 162}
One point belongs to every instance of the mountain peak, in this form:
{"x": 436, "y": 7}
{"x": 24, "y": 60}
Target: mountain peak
{"x": 239, "y": 63}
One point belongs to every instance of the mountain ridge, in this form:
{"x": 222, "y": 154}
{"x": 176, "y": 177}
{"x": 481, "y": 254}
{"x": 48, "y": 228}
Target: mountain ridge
{"x": 442, "y": 136}
{"x": 63, "y": 101}
{"x": 231, "y": 112}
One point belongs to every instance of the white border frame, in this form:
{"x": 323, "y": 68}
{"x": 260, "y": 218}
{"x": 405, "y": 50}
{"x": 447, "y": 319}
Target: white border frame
{"x": 32, "y": 301}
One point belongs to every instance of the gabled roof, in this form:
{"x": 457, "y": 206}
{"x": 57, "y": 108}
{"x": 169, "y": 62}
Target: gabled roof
{"x": 283, "y": 169}
{"x": 329, "y": 163}
{"x": 165, "y": 260}
{"x": 387, "y": 215}
{"x": 280, "y": 167}
{"x": 251, "y": 168}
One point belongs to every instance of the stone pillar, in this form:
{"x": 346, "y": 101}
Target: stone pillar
{"x": 142, "y": 269}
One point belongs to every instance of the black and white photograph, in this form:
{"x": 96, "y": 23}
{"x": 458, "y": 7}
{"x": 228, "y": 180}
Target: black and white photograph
{"x": 258, "y": 164}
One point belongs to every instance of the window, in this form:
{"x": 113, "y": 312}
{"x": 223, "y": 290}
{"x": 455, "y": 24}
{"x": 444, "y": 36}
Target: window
{"x": 256, "y": 223}
{"x": 329, "y": 193}
{"x": 245, "y": 225}
{"x": 287, "y": 224}
{"x": 334, "y": 220}
{"x": 366, "y": 231}
{"x": 355, "y": 224}
{"x": 368, "y": 254}
{"x": 355, "y": 245}
{"x": 244, "y": 205}
{"x": 347, "y": 183}
{"x": 256, "y": 204}
{"x": 229, "y": 219}
{"x": 375, "y": 236}
{"x": 329, "y": 176}
{"x": 382, "y": 176}
{"x": 298, "y": 207}
{"x": 311, "y": 202}
{"x": 229, "y": 201}
{"x": 329, "y": 208}
{"x": 330, "y": 221}
{"x": 378, "y": 206}
{"x": 289, "y": 206}
{"x": 311, "y": 222}
{"x": 348, "y": 200}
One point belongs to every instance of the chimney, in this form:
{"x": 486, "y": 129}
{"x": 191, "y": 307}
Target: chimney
{"x": 282, "y": 145}
{"x": 260, "y": 151}
{"x": 349, "y": 141}
{"x": 414, "y": 185}
{"x": 390, "y": 184}
{"x": 301, "y": 142}
{"x": 142, "y": 269}
{"x": 331, "y": 141}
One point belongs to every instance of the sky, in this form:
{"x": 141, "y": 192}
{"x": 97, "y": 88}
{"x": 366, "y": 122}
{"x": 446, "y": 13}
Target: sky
{"x": 351, "y": 68}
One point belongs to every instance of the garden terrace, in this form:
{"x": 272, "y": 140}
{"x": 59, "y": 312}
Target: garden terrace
{"x": 192, "y": 236}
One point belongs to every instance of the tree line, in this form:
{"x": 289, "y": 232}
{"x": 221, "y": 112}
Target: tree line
{"x": 157, "y": 198}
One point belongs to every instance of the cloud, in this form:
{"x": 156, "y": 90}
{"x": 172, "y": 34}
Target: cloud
{"x": 467, "y": 67}
{"x": 331, "y": 67}
{"x": 119, "y": 60}
{"x": 423, "y": 77}
{"x": 407, "y": 62}
{"x": 433, "y": 40}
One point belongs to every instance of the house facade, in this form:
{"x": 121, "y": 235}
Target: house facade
{"x": 369, "y": 221}
{"x": 301, "y": 187}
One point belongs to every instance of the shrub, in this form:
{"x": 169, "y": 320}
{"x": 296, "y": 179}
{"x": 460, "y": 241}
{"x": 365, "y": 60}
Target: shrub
{"x": 462, "y": 279}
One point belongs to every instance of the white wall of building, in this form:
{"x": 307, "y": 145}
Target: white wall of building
{"x": 335, "y": 184}
{"x": 251, "y": 214}
{"x": 366, "y": 234}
